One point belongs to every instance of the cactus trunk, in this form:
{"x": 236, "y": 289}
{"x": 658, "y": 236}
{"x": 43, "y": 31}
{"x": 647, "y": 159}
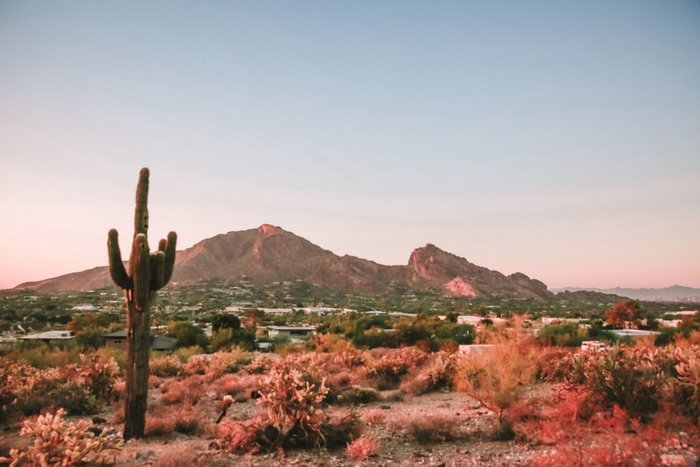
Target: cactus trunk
{"x": 147, "y": 273}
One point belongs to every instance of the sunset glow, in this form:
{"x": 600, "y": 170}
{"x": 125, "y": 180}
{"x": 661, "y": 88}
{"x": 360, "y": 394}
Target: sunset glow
{"x": 558, "y": 139}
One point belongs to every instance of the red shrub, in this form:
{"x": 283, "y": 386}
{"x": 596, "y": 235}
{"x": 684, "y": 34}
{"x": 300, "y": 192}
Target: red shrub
{"x": 373, "y": 417}
{"x": 159, "y": 425}
{"x": 362, "y": 448}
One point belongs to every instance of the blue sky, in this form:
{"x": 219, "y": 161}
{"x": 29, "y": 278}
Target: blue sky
{"x": 559, "y": 139}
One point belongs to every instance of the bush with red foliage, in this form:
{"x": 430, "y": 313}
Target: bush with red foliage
{"x": 362, "y": 448}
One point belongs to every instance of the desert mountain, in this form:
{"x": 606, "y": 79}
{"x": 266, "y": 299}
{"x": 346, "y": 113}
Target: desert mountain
{"x": 673, "y": 293}
{"x": 270, "y": 253}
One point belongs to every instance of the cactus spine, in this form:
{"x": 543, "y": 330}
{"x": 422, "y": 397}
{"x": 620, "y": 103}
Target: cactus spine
{"x": 147, "y": 273}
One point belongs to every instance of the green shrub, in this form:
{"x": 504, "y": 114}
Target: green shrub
{"x": 74, "y": 398}
{"x": 685, "y": 385}
{"x": 165, "y": 366}
{"x": 565, "y": 335}
{"x": 632, "y": 378}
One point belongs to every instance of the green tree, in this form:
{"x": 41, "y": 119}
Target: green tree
{"x": 225, "y": 321}
{"x": 187, "y": 334}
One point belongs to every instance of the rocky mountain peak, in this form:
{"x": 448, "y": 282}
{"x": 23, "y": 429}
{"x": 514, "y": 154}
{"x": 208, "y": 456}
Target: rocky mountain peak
{"x": 271, "y": 254}
{"x": 269, "y": 229}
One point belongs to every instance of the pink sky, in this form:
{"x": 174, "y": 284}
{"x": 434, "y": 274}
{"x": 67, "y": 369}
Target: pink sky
{"x": 561, "y": 142}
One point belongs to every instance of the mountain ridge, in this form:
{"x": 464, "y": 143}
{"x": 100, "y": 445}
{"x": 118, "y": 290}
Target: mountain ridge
{"x": 269, "y": 253}
{"x": 672, "y": 293}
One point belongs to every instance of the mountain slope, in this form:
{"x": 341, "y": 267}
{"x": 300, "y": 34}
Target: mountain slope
{"x": 268, "y": 254}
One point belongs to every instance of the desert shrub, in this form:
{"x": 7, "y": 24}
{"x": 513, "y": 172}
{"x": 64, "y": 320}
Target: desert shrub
{"x": 258, "y": 434}
{"x": 246, "y": 437}
{"x": 430, "y": 428}
{"x": 362, "y": 448}
{"x": 373, "y": 417}
{"x": 14, "y": 377}
{"x": 182, "y": 456}
{"x": 98, "y": 373}
{"x": 237, "y": 385}
{"x": 564, "y": 335}
{"x": 260, "y": 364}
{"x": 350, "y": 358}
{"x": 438, "y": 374}
{"x": 159, "y": 425}
{"x": 118, "y": 355}
{"x": 375, "y": 338}
{"x": 394, "y": 364}
{"x": 188, "y": 390}
{"x": 329, "y": 343}
{"x": 685, "y": 384}
{"x": 49, "y": 393}
{"x": 613, "y": 437}
{"x": 184, "y": 353}
{"x": 497, "y": 378}
{"x": 341, "y": 429}
{"x": 164, "y": 366}
{"x": 186, "y": 422}
{"x": 57, "y": 442}
{"x": 42, "y": 356}
{"x": 78, "y": 388}
{"x": 630, "y": 377}
{"x": 358, "y": 395}
{"x": 553, "y": 364}
{"x": 227, "y": 338}
{"x": 196, "y": 365}
{"x": 447, "y": 333}
{"x": 214, "y": 365}
{"x": 340, "y": 381}
{"x": 293, "y": 401}
{"x": 229, "y": 385}
{"x": 173, "y": 393}
{"x": 225, "y": 362}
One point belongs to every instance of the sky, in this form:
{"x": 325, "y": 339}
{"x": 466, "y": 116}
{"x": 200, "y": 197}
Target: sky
{"x": 559, "y": 139}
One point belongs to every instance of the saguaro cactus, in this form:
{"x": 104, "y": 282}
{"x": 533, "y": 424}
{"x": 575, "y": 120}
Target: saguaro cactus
{"x": 147, "y": 273}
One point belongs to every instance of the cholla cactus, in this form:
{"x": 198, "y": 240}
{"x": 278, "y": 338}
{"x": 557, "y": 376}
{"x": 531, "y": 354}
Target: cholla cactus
{"x": 293, "y": 401}
{"x": 57, "y": 442}
{"x": 147, "y": 273}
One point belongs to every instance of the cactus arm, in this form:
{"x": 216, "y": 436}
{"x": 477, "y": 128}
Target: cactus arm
{"x": 157, "y": 268}
{"x": 116, "y": 265}
{"x": 162, "y": 244}
{"x": 141, "y": 213}
{"x": 169, "y": 257}
{"x": 141, "y": 272}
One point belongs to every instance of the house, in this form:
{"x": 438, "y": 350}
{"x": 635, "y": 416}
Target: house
{"x": 547, "y": 320}
{"x": 295, "y": 333}
{"x": 634, "y": 333}
{"x": 277, "y": 311}
{"x": 117, "y": 340}
{"x": 163, "y": 343}
{"x": 478, "y": 320}
{"x": 49, "y": 336}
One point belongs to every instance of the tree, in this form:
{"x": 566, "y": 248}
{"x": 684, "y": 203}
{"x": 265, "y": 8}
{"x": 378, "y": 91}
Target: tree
{"x": 225, "y": 321}
{"x": 253, "y": 317}
{"x": 147, "y": 273}
{"x": 187, "y": 334}
{"x": 624, "y": 314}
